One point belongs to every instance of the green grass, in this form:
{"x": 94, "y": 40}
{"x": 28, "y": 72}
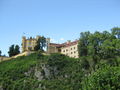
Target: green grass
{"x": 72, "y": 73}
{"x": 13, "y": 70}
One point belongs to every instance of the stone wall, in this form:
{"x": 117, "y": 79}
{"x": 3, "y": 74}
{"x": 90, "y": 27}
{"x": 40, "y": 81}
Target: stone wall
{"x": 4, "y": 58}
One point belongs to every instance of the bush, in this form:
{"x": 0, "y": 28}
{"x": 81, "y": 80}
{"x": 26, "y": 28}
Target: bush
{"x": 58, "y": 60}
{"x": 107, "y": 78}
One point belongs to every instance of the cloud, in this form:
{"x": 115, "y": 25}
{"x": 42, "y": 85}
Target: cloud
{"x": 53, "y": 40}
{"x": 62, "y": 39}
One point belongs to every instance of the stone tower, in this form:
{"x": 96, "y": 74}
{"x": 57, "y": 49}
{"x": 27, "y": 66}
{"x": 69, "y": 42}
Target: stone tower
{"x": 37, "y": 37}
{"x": 23, "y": 43}
{"x": 29, "y": 43}
{"x": 48, "y": 44}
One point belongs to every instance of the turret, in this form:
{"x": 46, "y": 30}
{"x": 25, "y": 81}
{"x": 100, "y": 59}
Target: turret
{"x": 48, "y": 43}
{"x": 37, "y": 37}
{"x": 23, "y": 43}
{"x": 23, "y": 38}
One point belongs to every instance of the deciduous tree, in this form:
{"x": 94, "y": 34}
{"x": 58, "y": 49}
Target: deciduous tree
{"x": 41, "y": 44}
{"x": 116, "y": 32}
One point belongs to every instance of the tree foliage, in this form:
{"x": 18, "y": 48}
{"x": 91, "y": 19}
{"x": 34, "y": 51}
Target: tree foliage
{"x": 13, "y": 50}
{"x": 0, "y": 53}
{"x": 99, "y": 45}
{"x": 83, "y": 43}
{"x": 116, "y": 32}
{"x": 41, "y": 44}
{"x": 103, "y": 79}
{"x": 102, "y": 45}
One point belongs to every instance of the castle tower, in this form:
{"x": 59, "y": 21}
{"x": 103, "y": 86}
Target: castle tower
{"x": 48, "y": 44}
{"x": 37, "y": 37}
{"x": 23, "y": 43}
{"x": 28, "y": 44}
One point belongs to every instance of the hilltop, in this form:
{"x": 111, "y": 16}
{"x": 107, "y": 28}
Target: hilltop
{"x": 56, "y": 72}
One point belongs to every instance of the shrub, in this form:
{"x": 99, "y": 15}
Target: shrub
{"x": 107, "y": 78}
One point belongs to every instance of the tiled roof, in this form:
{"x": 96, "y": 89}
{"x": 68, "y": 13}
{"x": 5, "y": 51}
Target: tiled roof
{"x": 67, "y": 44}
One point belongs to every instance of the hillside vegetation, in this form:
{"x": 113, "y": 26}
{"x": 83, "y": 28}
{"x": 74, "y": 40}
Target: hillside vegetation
{"x": 97, "y": 68}
{"x": 57, "y": 72}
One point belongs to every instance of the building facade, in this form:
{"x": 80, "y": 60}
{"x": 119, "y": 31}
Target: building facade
{"x": 69, "y": 48}
{"x": 29, "y": 43}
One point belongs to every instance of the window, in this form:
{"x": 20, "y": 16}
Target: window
{"x": 29, "y": 43}
{"x": 71, "y": 48}
{"x": 63, "y": 50}
{"x": 29, "y": 46}
{"x": 74, "y": 51}
{"x": 66, "y": 50}
{"x": 71, "y": 52}
{"x": 74, "y": 47}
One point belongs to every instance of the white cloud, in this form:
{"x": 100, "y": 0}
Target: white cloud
{"x": 53, "y": 40}
{"x": 62, "y": 39}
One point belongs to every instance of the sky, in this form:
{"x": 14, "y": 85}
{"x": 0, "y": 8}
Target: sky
{"x": 61, "y": 20}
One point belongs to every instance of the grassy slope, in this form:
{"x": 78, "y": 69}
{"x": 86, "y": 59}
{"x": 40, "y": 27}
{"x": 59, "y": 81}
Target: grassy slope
{"x": 13, "y": 70}
{"x": 71, "y": 74}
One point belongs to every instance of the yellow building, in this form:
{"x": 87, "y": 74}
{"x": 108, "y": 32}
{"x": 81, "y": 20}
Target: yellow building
{"x": 29, "y": 43}
{"x": 69, "y": 48}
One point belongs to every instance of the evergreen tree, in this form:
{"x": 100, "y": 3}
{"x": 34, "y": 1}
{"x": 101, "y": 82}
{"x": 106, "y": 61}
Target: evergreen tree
{"x": 13, "y": 50}
{"x": 16, "y": 50}
{"x": 0, "y": 53}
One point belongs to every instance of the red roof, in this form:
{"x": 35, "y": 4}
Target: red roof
{"x": 67, "y": 44}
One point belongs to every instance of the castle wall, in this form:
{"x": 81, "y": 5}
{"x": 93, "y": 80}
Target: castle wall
{"x": 71, "y": 51}
{"x": 69, "y": 48}
{"x": 29, "y": 44}
{"x": 53, "y": 49}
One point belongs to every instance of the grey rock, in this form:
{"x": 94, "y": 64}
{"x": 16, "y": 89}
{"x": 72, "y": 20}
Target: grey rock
{"x": 39, "y": 75}
{"x": 1, "y": 87}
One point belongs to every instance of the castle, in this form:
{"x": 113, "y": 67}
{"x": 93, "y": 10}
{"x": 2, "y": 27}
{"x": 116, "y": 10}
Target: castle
{"x": 28, "y": 44}
{"x": 68, "y": 48}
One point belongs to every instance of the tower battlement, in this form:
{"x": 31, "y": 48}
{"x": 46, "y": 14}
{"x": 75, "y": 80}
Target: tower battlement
{"x": 28, "y": 44}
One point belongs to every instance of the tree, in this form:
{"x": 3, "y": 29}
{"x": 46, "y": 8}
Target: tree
{"x": 92, "y": 44}
{"x": 41, "y": 44}
{"x": 0, "y": 53}
{"x": 37, "y": 47}
{"x": 111, "y": 48}
{"x": 16, "y": 50}
{"x": 99, "y": 45}
{"x": 106, "y": 78}
{"x": 83, "y": 44}
{"x": 116, "y": 32}
{"x": 85, "y": 63}
{"x": 13, "y": 50}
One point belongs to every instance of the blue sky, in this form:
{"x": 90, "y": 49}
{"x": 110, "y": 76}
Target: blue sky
{"x": 60, "y": 20}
